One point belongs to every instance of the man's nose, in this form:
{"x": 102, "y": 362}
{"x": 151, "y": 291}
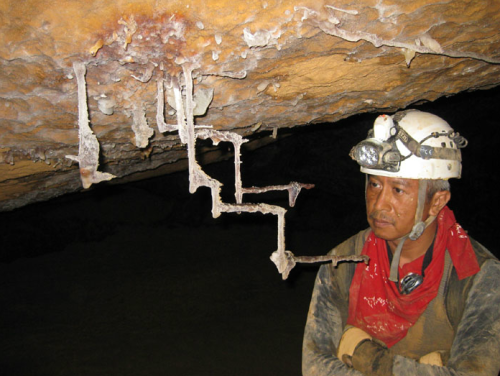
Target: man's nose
{"x": 382, "y": 201}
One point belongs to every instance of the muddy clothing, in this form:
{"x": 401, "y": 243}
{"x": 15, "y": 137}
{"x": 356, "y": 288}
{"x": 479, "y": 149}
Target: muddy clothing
{"x": 462, "y": 322}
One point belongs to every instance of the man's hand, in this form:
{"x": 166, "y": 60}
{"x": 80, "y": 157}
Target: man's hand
{"x": 372, "y": 359}
{"x": 351, "y": 338}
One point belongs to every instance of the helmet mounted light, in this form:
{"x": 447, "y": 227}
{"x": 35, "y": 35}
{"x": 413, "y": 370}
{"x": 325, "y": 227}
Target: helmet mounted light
{"x": 376, "y": 154}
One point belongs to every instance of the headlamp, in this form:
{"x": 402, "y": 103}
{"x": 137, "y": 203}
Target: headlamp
{"x": 375, "y": 154}
{"x": 367, "y": 154}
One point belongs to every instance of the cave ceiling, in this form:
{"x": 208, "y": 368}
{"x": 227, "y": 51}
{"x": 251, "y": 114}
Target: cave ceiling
{"x": 254, "y": 67}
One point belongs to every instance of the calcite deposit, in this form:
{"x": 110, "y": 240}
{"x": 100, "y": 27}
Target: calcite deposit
{"x": 257, "y": 66}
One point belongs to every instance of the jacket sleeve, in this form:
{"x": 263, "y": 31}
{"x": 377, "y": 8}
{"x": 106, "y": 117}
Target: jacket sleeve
{"x": 476, "y": 347}
{"x": 326, "y": 318}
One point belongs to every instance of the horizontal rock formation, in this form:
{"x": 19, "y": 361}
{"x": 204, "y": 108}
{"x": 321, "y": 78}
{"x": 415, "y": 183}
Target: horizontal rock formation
{"x": 87, "y": 88}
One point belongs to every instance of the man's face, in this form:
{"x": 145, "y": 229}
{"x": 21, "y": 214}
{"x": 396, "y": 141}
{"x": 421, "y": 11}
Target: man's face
{"x": 391, "y": 204}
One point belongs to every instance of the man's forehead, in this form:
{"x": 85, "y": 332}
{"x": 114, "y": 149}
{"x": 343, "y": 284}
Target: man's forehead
{"x": 395, "y": 181}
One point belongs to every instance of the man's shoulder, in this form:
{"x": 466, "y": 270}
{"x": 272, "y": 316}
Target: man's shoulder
{"x": 458, "y": 291}
{"x": 482, "y": 253}
{"x": 353, "y": 245}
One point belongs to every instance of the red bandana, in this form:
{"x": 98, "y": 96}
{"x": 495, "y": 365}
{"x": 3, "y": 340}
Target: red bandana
{"x": 375, "y": 304}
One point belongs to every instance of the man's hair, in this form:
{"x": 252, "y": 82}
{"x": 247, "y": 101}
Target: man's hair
{"x": 434, "y": 186}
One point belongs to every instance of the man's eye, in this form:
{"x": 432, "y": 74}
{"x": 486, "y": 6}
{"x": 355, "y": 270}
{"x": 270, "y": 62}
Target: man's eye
{"x": 398, "y": 190}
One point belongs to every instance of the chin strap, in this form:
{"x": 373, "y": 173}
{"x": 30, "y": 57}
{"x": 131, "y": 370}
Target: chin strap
{"x": 416, "y": 231}
{"x": 395, "y": 260}
{"x": 419, "y": 226}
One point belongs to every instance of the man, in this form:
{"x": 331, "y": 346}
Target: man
{"x": 428, "y": 302}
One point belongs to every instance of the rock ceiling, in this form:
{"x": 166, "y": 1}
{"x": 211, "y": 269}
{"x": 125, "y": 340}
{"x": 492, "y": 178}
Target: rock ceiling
{"x": 101, "y": 86}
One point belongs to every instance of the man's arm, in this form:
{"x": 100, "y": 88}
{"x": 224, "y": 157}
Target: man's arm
{"x": 325, "y": 323}
{"x": 476, "y": 348}
{"x": 328, "y": 314}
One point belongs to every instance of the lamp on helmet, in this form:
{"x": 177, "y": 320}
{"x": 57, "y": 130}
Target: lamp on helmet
{"x": 377, "y": 154}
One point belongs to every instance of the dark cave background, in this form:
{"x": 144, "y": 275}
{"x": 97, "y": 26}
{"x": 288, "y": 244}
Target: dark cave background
{"x": 139, "y": 279}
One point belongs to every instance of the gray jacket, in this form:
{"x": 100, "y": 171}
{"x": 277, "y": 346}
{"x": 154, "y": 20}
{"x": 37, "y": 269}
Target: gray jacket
{"x": 471, "y": 309}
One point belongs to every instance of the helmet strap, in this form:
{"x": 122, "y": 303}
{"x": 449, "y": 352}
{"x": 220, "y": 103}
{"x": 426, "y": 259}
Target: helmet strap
{"x": 419, "y": 226}
{"x": 395, "y": 260}
{"x": 417, "y": 230}
{"x": 366, "y": 185}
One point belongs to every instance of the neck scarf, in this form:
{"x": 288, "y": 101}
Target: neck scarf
{"x": 375, "y": 303}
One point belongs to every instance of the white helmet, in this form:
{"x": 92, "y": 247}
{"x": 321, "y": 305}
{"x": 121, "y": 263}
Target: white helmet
{"x": 412, "y": 145}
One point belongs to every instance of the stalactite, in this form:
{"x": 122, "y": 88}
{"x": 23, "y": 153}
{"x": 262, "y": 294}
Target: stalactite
{"x": 88, "y": 152}
{"x": 141, "y": 128}
{"x": 160, "y": 107}
{"x": 185, "y": 104}
{"x": 293, "y": 189}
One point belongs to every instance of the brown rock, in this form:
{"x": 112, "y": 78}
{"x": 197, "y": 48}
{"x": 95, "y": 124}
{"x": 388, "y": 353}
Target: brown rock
{"x": 271, "y": 64}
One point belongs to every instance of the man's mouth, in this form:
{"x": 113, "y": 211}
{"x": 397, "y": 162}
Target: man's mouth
{"x": 380, "y": 220}
{"x": 381, "y": 223}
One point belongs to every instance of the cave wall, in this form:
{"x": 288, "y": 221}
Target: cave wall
{"x": 268, "y": 65}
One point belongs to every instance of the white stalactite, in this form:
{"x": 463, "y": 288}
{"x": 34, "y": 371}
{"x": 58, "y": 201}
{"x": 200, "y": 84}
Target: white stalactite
{"x": 185, "y": 105}
{"x": 88, "y": 152}
{"x": 140, "y": 126}
{"x": 160, "y": 109}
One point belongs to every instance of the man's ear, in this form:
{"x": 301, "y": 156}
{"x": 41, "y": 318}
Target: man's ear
{"x": 439, "y": 201}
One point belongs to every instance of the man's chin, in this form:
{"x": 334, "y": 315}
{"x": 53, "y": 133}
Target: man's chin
{"x": 385, "y": 233}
